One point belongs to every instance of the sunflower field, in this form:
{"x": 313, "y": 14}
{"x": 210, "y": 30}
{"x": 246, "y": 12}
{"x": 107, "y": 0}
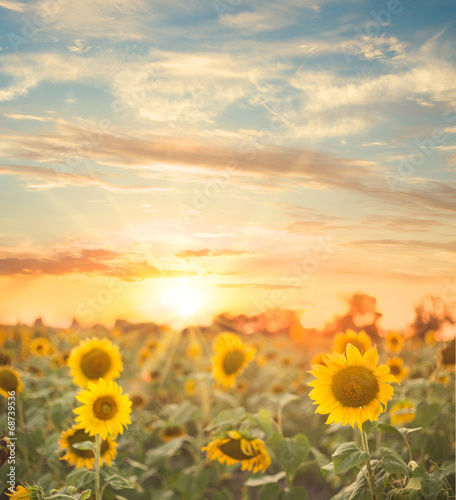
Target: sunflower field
{"x": 153, "y": 413}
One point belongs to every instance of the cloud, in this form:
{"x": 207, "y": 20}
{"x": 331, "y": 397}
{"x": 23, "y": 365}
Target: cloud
{"x": 266, "y": 286}
{"x": 211, "y": 253}
{"x": 12, "y": 5}
{"x": 95, "y": 261}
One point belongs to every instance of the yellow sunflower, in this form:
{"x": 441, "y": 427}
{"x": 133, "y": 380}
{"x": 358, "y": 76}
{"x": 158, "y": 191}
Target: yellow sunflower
{"x": 231, "y": 357}
{"x": 447, "y": 356}
{"x": 360, "y": 340}
{"x": 84, "y": 458}
{"x": 171, "y": 432}
{"x": 444, "y": 379}
{"x": 397, "y": 368}
{"x": 236, "y": 448}
{"x": 402, "y": 413}
{"x": 40, "y": 346}
{"x": 94, "y": 359}
{"x": 318, "y": 359}
{"x": 190, "y": 387}
{"x": 10, "y": 380}
{"x": 394, "y": 342}
{"x": 351, "y": 387}
{"x": 28, "y": 493}
{"x": 104, "y": 409}
{"x": 430, "y": 339}
{"x": 138, "y": 401}
{"x": 194, "y": 350}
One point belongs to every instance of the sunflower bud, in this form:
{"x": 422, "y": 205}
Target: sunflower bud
{"x": 4, "y": 450}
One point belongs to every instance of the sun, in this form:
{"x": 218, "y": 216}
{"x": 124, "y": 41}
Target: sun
{"x": 182, "y": 298}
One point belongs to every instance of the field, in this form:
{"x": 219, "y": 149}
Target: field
{"x": 247, "y": 405}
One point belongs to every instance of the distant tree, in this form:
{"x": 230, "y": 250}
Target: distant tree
{"x": 431, "y": 313}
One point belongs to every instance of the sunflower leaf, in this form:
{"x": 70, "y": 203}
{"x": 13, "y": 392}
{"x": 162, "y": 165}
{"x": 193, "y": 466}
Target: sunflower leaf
{"x": 295, "y": 493}
{"x": 271, "y": 491}
{"x": 369, "y": 426}
{"x": 347, "y": 456}
{"x": 393, "y": 463}
{"x": 84, "y": 445}
{"x": 290, "y": 452}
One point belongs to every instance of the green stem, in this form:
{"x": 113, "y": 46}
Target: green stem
{"x": 97, "y": 466}
{"x": 59, "y": 495}
{"x": 368, "y": 465}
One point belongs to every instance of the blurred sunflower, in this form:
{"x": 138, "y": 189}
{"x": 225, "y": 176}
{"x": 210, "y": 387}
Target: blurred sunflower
{"x": 84, "y": 458}
{"x": 10, "y": 380}
{"x": 447, "y": 356}
{"x": 238, "y": 447}
{"x": 360, "y": 340}
{"x": 5, "y": 358}
{"x": 104, "y": 409}
{"x": 261, "y": 360}
{"x": 241, "y": 386}
{"x": 277, "y": 388}
{"x": 28, "y": 493}
{"x": 152, "y": 377}
{"x": 40, "y": 346}
{"x": 430, "y": 339}
{"x": 171, "y": 432}
{"x": 231, "y": 357}
{"x": 443, "y": 379}
{"x": 351, "y": 387}
{"x": 2, "y": 337}
{"x": 138, "y": 401}
{"x": 402, "y": 413}
{"x": 94, "y": 359}
{"x": 190, "y": 387}
{"x": 194, "y": 350}
{"x": 394, "y": 342}
{"x": 397, "y": 368}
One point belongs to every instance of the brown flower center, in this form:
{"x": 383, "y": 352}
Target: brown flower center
{"x": 95, "y": 364}
{"x": 232, "y": 361}
{"x": 448, "y": 354}
{"x": 105, "y": 408}
{"x": 232, "y": 449}
{"x": 354, "y": 386}
{"x": 395, "y": 369}
{"x": 8, "y": 380}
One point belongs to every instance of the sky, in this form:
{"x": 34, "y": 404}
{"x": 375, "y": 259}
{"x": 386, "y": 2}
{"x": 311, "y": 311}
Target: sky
{"x": 167, "y": 161}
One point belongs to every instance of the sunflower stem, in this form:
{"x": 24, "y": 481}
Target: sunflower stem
{"x": 97, "y": 466}
{"x": 368, "y": 464}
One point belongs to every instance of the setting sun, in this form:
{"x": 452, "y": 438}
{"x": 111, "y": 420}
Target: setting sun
{"x": 182, "y": 298}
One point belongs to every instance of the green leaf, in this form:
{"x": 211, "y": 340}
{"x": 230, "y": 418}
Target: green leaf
{"x": 295, "y": 493}
{"x": 226, "y": 418}
{"x": 426, "y": 413}
{"x": 271, "y": 492}
{"x": 383, "y": 426}
{"x": 369, "y": 426}
{"x": 85, "y": 495}
{"x": 290, "y": 452}
{"x": 346, "y": 456}
{"x": 118, "y": 482}
{"x": 260, "y": 481}
{"x": 286, "y": 398}
{"x": 80, "y": 477}
{"x": 263, "y": 419}
{"x": 84, "y": 445}
{"x": 327, "y": 469}
{"x": 320, "y": 457}
{"x": 420, "y": 473}
{"x": 405, "y": 431}
{"x": 393, "y": 463}
{"x": 166, "y": 450}
{"x": 223, "y": 494}
{"x": 191, "y": 484}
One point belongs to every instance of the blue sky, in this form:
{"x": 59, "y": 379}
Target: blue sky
{"x": 214, "y": 145}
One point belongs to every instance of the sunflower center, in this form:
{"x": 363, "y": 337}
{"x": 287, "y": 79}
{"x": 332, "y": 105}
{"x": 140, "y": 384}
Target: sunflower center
{"x": 233, "y": 361}
{"x": 232, "y": 449}
{"x": 395, "y": 370}
{"x": 95, "y": 364}
{"x": 8, "y": 381}
{"x": 354, "y": 386}
{"x": 448, "y": 354}
{"x": 105, "y": 408}
{"x": 78, "y": 437}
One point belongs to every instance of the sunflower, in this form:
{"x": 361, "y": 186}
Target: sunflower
{"x": 447, "y": 356}
{"x": 94, "y": 359}
{"x": 239, "y": 448}
{"x": 171, "y": 432}
{"x": 84, "y": 458}
{"x": 194, "y": 350}
{"x": 40, "y": 346}
{"x": 28, "y": 493}
{"x": 278, "y": 388}
{"x": 231, "y": 357}
{"x": 394, "y": 342}
{"x": 317, "y": 360}
{"x": 351, "y": 387}
{"x": 402, "y": 413}
{"x": 190, "y": 387}
{"x": 443, "y": 379}
{"x": 138, "y": 401}
{"x": 397, "y": 368}
{"x": 10, "y": 380}
{"x": 104, "y": 409}
{"x": 5, "y": 358}
{"x": 360, "y": 340}
{"x": 430, "y": 339}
